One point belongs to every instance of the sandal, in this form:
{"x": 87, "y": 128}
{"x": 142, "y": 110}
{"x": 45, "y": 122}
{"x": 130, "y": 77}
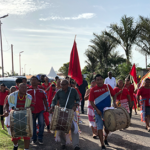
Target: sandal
{"x": 95, "y": 137}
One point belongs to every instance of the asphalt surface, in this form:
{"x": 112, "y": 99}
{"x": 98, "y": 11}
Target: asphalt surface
{"x": 136, "y": 137}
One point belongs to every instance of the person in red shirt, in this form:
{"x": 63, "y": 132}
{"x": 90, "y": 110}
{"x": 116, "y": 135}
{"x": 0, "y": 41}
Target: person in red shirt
{"x": 73, "y": 84}
{"x": 6, "y": 105}
{"x": 123, "y": 96}
{"x": 97, "y": 95}
{"x": 24, "y": 80}
{"x": 130, "y": 88}
{"x": 20, "y": 105}
{"x": 52, "y": 93}
{"x": 39, "y": 85}
{"x": 3, "y": 93}
{"x": 58, "y": 86}
{"x": 46, "y": 85}
{"x": 40, "y": 99}
{"x": 18, "y": 81}
{"x": 90, "y": 111}
{"x": 144, "y": 92}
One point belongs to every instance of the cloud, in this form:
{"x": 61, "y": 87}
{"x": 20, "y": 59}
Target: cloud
{"x": 62, "y": 30}
{"x": 71, "y": 31}
{"x": 56, "y": 37}
{"x": 42, "y": 31}
{"x": 21, "y": 7}
{"x": 80, "y": 16}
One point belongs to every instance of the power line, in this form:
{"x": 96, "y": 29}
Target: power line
{"x": 6, "y": 42}
{"x": 7, "y": 50}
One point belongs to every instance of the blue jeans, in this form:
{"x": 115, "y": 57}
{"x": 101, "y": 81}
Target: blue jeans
{"x": 99, "y": 121}
{"x": 41, "y": 126}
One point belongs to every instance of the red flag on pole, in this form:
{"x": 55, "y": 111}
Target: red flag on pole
{"x": 74, "y": 65}
{"x": 133, "y": 73}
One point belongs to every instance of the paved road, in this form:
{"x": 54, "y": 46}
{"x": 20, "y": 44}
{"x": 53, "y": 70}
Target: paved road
{"x": 135, "y": 137}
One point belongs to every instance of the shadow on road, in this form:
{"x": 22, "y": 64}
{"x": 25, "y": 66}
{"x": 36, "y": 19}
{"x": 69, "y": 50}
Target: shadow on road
{"x": 138, "y": 119}
{"x": 137, "y": 132}
{"x": 137, "y": 126}
{"x": 126, "y": 144}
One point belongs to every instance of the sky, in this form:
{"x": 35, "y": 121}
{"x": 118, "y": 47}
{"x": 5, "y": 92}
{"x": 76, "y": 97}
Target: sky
{"x": 45, "y": 30}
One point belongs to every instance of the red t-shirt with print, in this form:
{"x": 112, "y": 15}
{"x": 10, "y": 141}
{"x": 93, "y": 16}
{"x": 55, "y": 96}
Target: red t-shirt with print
{"x": 98, "y": 91}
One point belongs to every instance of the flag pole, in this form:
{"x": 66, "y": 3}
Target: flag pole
{"x": 75, "y": 37}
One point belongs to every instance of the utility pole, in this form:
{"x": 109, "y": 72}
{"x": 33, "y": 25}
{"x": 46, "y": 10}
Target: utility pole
{"x": 20, "y": 61}
{"x": 146, "y": 60}
{"x": 1, "y": 51}
{"x": 12, "y": 59}
{"x": 1, "y": 45}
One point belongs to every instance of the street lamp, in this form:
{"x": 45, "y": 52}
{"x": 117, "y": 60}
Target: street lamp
{"x": 20, "y": 60}
{"x": 24, "y": 69}
{"x": 1, "y": 45}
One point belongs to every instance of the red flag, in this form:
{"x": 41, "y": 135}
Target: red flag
{"x": 51, "y": 94}
{"x": 133, "y": 73}
{"x": 74, "y": 65}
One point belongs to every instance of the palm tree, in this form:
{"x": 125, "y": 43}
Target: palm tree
{"x": 143, "y": 42}
{"x": 101, "y": 48}
{"x": 125, "y": 34}
{"x": 91, "y": 60}
{"x": 114, "y": 61}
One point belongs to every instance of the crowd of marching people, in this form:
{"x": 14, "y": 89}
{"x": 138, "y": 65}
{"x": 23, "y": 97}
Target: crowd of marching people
{"x": 42, "y": 96}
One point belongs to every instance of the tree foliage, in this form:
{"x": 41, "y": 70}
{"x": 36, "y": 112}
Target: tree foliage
{"x": 91, "y": 60}
{"x": 143, "y": 42}
{"x": 123, "y": 70}
{"x": 100, "y": 55}
{"x": 85, "y": 70}
{"x": 64, "y": 69}
{"x": 125, "y": 35}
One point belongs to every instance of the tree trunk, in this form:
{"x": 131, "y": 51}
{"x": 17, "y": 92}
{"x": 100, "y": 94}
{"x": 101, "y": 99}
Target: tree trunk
{"x": 127, "y": 55}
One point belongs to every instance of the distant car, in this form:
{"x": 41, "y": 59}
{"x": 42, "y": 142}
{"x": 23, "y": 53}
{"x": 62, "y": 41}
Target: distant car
{"x": 18, "y": 77}
{"x": 8, "y": 81}
{"x": 39, "y": 77}
{"x": 28, "y": 81}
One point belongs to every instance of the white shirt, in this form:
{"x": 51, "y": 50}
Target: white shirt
{"x": 111, "y": 82}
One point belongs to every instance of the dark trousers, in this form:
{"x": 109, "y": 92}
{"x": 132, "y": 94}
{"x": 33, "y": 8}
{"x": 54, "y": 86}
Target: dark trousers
{"x": 132, "y": 103}
{"x": 1, "y": 112}
{"x": 82, "y": 104}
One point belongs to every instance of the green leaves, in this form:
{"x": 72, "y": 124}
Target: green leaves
{"x": 125, "y": 34}
{"x": 64, "y": 69}
{"x": 143, "y": 42}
